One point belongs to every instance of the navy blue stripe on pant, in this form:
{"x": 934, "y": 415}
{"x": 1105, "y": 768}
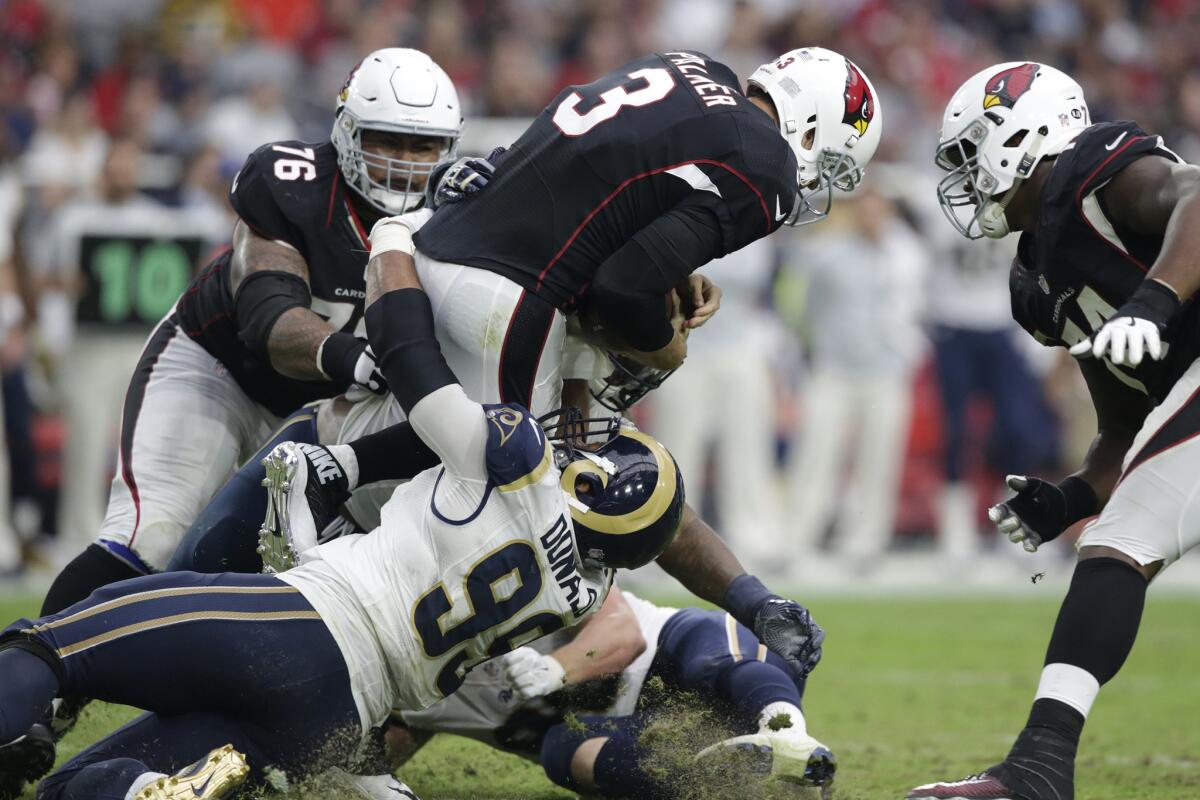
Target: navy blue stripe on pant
{"x": 218, "y": 658}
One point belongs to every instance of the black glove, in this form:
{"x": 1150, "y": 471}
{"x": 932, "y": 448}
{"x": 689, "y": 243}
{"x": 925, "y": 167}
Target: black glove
{"x": 784, "y": 626}
{"x": 788, "y": 629}
{"x": 348, "y": 361}
{"x": 1041, "y": 510}
{"x": 456, "y": 182}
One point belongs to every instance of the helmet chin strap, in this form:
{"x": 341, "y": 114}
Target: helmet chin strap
{"x": 992, "y": 220}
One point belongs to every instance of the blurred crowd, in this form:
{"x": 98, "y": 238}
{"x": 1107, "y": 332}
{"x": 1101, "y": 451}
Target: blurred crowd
{"x": 863, "y": 385}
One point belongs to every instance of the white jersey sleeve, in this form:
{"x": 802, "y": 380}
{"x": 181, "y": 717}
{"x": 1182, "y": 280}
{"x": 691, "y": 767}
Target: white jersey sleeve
{"x": 452, "y": 425}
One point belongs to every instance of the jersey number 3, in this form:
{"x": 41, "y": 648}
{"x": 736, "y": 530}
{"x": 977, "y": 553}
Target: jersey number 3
{"x": 658, "y": 84}
{"x": 497, "y": 588}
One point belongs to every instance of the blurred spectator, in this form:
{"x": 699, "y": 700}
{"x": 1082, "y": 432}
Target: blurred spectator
{"x": 91, "y": 371}
{"x": 238, "y": 124}
{"x": 12, "y": 314}
{"x": 975, "y": 345}
{"x": 722, "y": 399}
{"x": 864, "y": 298}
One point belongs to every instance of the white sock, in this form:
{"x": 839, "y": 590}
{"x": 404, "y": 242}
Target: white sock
{"x": 1068, "y": 684}
{"x": 774, "y": 710}
{"x": 141, "y": 782}
{"x": 344, "y": 454}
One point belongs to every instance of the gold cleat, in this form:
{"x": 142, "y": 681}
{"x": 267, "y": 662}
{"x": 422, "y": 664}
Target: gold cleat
{"x": 212, "y": 777}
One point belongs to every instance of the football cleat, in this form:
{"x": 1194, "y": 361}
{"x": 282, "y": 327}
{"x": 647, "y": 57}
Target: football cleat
{"x": 25, "y": 759}
{"x": 377, "y": 787}
{"x": 305, "y": 487}
{"x": 794, "y": 760}
{"x": 982, "y": 786}
{"x": 216, "y": 775}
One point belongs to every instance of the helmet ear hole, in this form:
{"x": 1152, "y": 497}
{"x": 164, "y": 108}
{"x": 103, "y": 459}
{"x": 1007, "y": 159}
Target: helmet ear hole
{"x": 1017, "y": 138}
{"x": 588, "y": 488}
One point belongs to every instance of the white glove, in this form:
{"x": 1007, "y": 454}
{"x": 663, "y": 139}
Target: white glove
{"x": 1125, "y": 340}
{"x": 533, "y": 674}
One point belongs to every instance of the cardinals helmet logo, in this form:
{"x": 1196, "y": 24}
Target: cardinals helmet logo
{"x": 345, "y": 92}
{"x": 1004, "y": 88}
{"x": 860, "y": 105}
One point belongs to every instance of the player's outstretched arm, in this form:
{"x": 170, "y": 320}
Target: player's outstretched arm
{"x": 269, "y": 281}
{"x": 699, "y": 559}
{"x": 607, "y": 643}
{"x": 1157, "y": 197}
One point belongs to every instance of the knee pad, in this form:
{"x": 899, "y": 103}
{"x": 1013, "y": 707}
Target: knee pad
{"x": 561, "y": 742}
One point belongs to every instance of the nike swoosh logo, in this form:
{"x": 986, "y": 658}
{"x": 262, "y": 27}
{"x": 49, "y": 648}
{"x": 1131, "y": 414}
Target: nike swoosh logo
{"x": 199, "y": 791}
{"x": 778, "y": 213}
{"x": 1115, "y": 142}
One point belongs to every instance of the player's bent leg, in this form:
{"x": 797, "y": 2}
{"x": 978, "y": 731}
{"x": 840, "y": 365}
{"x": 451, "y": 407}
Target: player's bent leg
{"x": 162, "y": 758}
{"x": 1149, "y": 522}
{"x": 601, "y": 755}
{"x": 707, "y": 652}
{"x": 231, "y": 644}
{"x": 26, "y": 745}
{"x": 186, "y": 424}
{"x": 224, "y": 537}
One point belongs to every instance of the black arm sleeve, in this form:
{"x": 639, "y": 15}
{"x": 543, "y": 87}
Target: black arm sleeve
{"x": 400, "y": 329}
{"x": 627, "y": 294}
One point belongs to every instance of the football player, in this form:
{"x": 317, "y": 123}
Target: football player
{"x": 272, "y": 323}
{"x": 1106, "y": 266}
{"x": 618, "y": 192}
{"x": 516, "y": 535}
{"x": 599, "y": 671}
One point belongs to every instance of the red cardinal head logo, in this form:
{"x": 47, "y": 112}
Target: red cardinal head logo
{"x": 860, "y": 105}
{"x": 345, "y": 92}
{"x": 1004, "y": 88}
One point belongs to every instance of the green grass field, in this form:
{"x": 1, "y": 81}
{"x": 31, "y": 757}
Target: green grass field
{"x": 912, "y": 690}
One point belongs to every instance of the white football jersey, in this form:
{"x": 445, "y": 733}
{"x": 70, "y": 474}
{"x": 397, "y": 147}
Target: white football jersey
{"x": 473, "y": 558}
{"x": 486, "y": 701}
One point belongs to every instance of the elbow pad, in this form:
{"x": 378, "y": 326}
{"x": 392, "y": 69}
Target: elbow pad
{"x": 261, "y": 300}
{"x": 400, "y": 329}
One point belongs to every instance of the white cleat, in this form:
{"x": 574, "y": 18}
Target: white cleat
{"x": 289, "y": 528}
{"x": 375, "y": 787}
{"x": 791, "y": 759}
{"x": 214, "y": 776}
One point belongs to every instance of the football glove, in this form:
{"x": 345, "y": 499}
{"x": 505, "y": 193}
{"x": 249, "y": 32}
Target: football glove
{"x": 348, "y": 361}
{"x": 533, "y": 674}
{"x": 788, "y": 629}
{"x": 1041, "y": 510}
{"x": 782, "y": 625}
{"x": 460, "y": 180}
{"x": 1136, "y": 329}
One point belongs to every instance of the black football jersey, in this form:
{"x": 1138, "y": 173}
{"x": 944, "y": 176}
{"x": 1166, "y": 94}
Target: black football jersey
{"x": 292, "y": 192}
{"x": 1078, "y": 265}
{"x": 605, "y": 159}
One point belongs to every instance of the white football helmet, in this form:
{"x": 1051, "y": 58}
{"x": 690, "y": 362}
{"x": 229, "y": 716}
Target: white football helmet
{"x": 829, "y": 113}
{"x": 997, "y": 128}
{"x": 403, "y": 91}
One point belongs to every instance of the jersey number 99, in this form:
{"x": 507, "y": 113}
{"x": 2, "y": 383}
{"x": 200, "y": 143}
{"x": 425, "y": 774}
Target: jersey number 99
{"x": 497, "y": 589}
